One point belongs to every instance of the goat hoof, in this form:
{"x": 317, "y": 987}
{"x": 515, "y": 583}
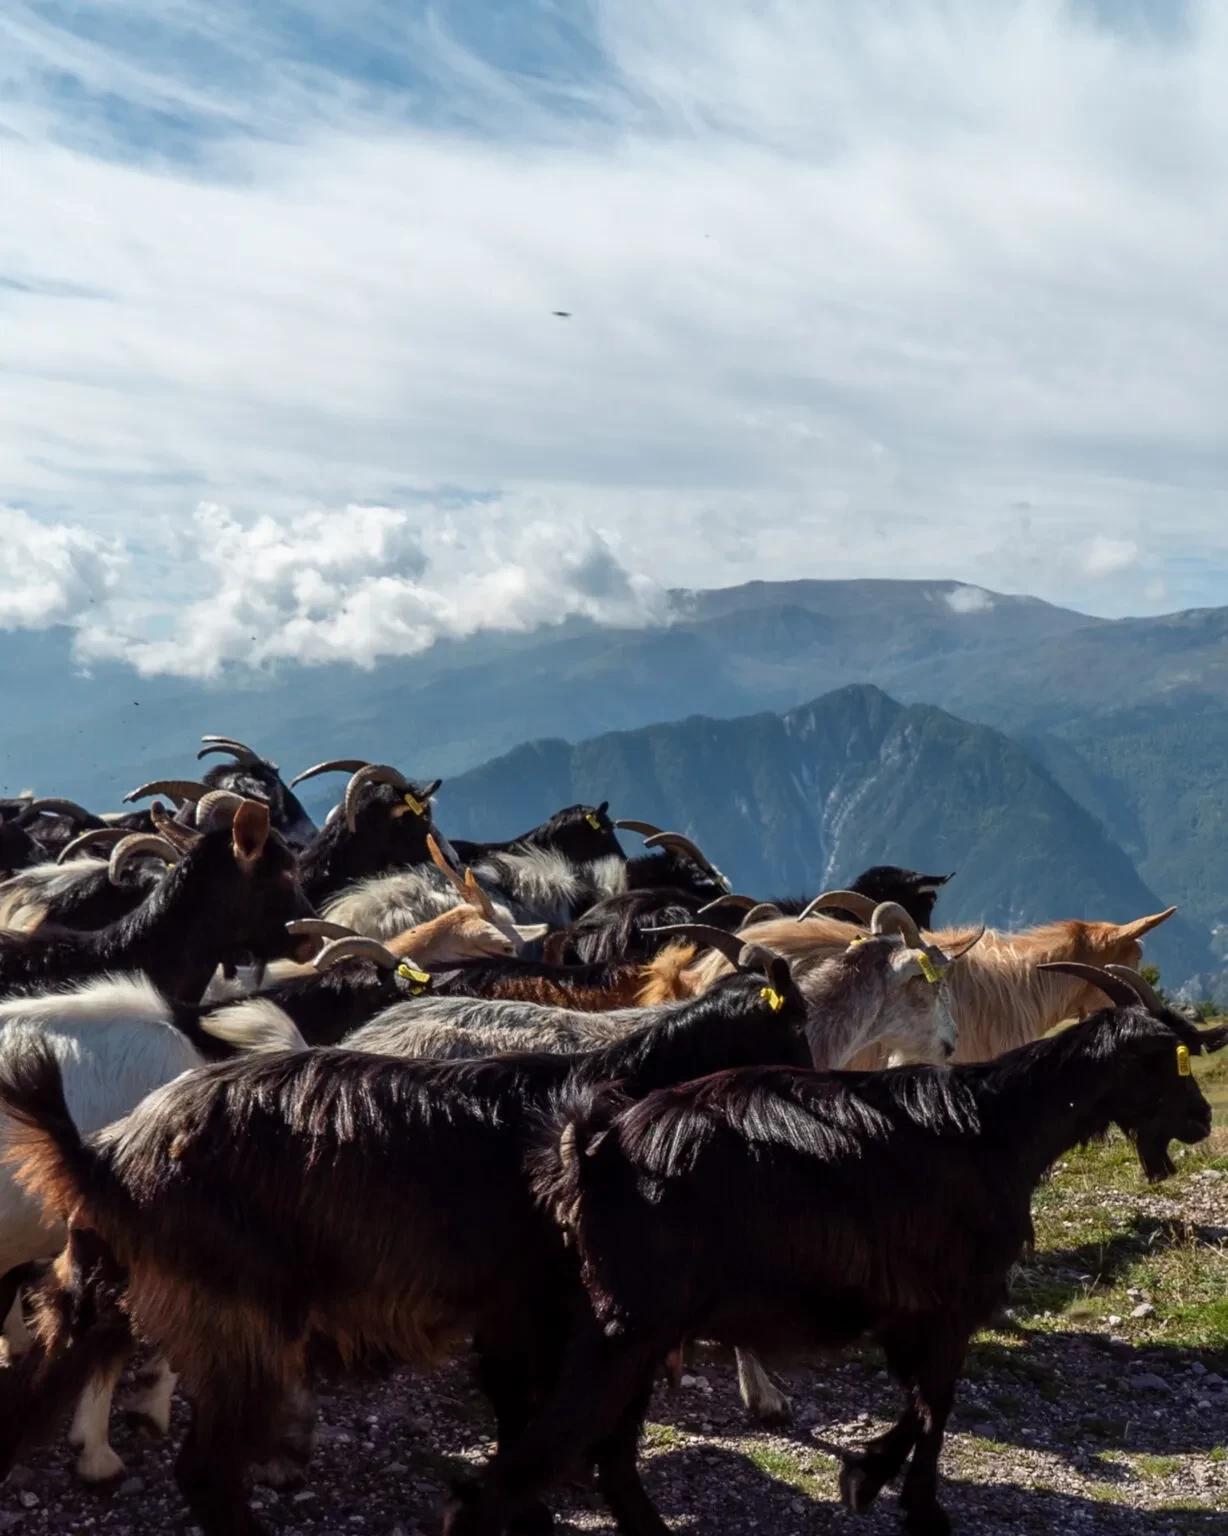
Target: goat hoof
{"x": 776, "y": 1411}
{"x": 534, "y": 1521}
{"x": 859, "y": 1487}
{"x": 930, "y": 1520}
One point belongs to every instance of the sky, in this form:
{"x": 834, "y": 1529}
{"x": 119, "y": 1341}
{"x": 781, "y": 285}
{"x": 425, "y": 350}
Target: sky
{"x": 911, "y": 288}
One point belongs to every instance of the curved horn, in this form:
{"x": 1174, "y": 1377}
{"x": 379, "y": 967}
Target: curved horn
{"x": 54, "y": 806}
{"x": 890, "y": 917}
{"x": 738, "y": 903}
{"x": 843, "y": 901}
{"x": 187, "y": 791}
{"x": 138, "y": 846}
{"x": 707, "y": 937}
{"x": 1154, "y": 1002}
{"x": 685, "y": 846}
{"x": 370, "y": 773}
{"x": 98, "y": 838}
{"x": 762, "y": 912}
{"x": 644, "y": 828}
{"x": 332, "y": 765}
{"x": 242, "y": 755}
{"x": 217, "y": 809}
{"x": 355, "y": 948}
{"x": 959, "y": 952}
{"x": 320, "y": 928}
{"x": 1121, "y": 993}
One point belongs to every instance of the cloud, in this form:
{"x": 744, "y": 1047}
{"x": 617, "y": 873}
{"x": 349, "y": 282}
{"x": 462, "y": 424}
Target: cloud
{"x": 1108, "y": 557}
{"x": 52, "y": 573}
{"x": 366, "y": 582}
{"x": 969, "y": 600}
{"x": 851, "y": 292}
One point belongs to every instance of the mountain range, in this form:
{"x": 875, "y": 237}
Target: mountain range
{"x": 1083, "y": 754}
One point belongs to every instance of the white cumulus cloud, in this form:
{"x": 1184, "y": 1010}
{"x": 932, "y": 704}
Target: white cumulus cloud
{"x": 1108, "y": 557}
{"x": 365, "y": 582}
{"x": 969, "y": 600}
{"x": 51, "y": 573}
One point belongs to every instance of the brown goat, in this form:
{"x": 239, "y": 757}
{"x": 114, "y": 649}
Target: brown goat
{"x": 998, "y": 995}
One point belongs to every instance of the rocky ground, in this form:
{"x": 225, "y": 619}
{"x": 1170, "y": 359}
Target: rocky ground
{"x": 1100, "y": 1406}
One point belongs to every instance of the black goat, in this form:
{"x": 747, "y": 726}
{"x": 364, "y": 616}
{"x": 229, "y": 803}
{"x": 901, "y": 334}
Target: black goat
{"x": 253, "y": 777}
{"x": 784, "y": 1209}
{"x": 230, "y": 894}
{"x": 381, "y": 1207}
{"x": 581, "y": 833}
{"x": 382, "y": 824}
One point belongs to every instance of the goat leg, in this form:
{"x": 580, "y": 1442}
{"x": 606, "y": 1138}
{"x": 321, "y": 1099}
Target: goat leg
{"x": 231, "y": 1424}
{"x": 618, "y": 1476}
{"x": 933, "y": 1395}
{"x": 762, "y": 1398}
{"x": 865, "y": 1473}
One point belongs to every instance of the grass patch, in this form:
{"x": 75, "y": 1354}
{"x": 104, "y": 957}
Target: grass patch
{"x": 1157, "y": 1466}
{"x": 663, "y": 1437}
{"x": 1095, "y": 1258}
{"x": 784, "y": 1468}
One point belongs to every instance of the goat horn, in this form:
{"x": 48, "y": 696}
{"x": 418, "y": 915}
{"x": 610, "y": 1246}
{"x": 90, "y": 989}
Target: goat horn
{"x": 332, "y": 765}
{"x": 890, "y": 917}
{"x": 57, "y": 807}
{"x": 95, "y": 839}
{"x": 370, "y": 773}
{"x": 1141, "y": 985}
{"x": 1122, "y": 993}
{"x": 217, "y": 809}
{"x": 320, "y": 928}
{"x": 844, "y": 901}
{"x": 644, "y": 828}
{"x": 738, "y": 903}
{"x": 962, "y": 950}
{"x": 355, "y": 948}
{"x": 243, "y": 755}
{"x": 683, "y": 845}
{"x": 137, "y": 846}
{"x": 709, "y": 938}
{"x": 189, "y": 791}
{"x": 762, "y": 912}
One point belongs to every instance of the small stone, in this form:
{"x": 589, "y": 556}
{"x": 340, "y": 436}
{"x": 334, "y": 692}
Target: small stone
{"x": 28, "y": 1499}
{"x": 1213, "y": 1380}
{"x": 305, "y": 1497}
{"x": 131, "y": 1485}
{"x": 397, "y": 1468}
{"x": 1113, "y": 1320}
{"x": 1198, "y": 1369}
{"x": 1144, "y": 1309}
{"x": 1204, "y": 1403}
{"x": 689, "y": 1382}
{"x": 1148, "y": 1381}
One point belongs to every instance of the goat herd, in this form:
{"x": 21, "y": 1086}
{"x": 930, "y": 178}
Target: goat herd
{"x": 282, "y": 1101}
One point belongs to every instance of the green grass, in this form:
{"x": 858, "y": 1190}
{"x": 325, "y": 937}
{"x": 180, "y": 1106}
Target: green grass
{"x": 811, "y": 1475}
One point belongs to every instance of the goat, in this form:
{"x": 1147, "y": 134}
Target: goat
{"x": 251, "y": 1213}
{"x": 583, "y": 834}
{"x": 231, "y": 890}
{"x": 799, "y": 1209}
{"x": 115, "y": 1039}
{"x": 77, "y": 891}
{"x": 1000, "y": 997}
{"x": 253, "y": 777}
{"x": 383, "y": 823}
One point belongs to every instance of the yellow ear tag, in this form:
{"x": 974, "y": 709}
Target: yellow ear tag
{"x": 1183, "y": 1061}
{"x": 862, "y": 938}
{"x": 772, "y": 998}
{"x": 927, "y": 968}
{"x": 415, "y": 805}
{"x": 408, "y": 973}
{"x": 592, "y": 820}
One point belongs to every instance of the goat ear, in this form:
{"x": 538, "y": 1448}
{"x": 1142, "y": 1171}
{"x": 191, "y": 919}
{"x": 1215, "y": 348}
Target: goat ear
{"x": 173, "y": 831}
{"x": 1142, "y": 925}
{"x": 250, "y": 832}
{"x": 1213, "y": 1039}
{"x": 779, "y": 976}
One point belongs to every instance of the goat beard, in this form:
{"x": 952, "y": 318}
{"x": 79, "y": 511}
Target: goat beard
{"x": 1152, "y": 1149}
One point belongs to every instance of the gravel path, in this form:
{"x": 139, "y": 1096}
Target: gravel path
{"x": 1061, "y": 1429}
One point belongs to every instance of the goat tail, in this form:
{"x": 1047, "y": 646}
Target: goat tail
{"x": 81, "y": 1333}
{"x": 663, "y": 977}
{"x": 255, "y": 1024}
{"x": 42, "y": 1143}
